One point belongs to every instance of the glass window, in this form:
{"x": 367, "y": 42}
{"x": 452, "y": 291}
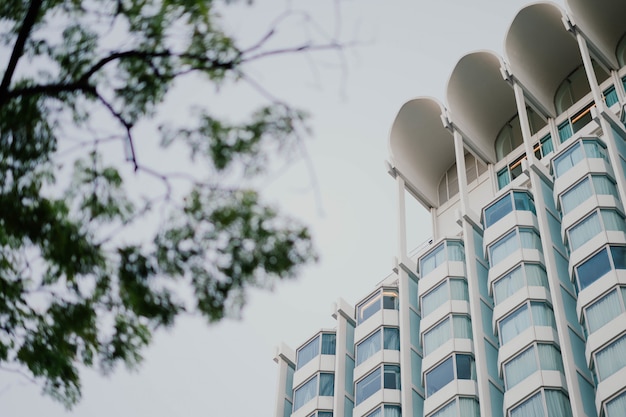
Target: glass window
{"x": 610, "y": 96}
{"x": 451, "y": 250}
{"x": 458, "y": 366}
{"x": 539, "y": 314}
{"x": 538, "y": 356}
{"x": 312, "y": 349}
{"x": 587, "y": 148}
{"x": 454, "y": 326}
{"x": 604, "y": 310}
{"x": 366, "y": 387}
{"x": 289, "y": 381}
{"x": 450, "y": 289}
{"x": 387, "y": 376}
{"x": 328, "y": 343}
{"x": 611, "y": 359}
{"x": 599, "y": 184}
{"x": 498, "y": 210}
{"x": 459, "y": 407}
{"x": 385, "y": 298}
{"x": 308, "y": 352}
{"x": 310, "y": 389}
{"x": 518, "y": 238}
{"x": 386, "y": 410}
{"x": 565, "y": 161}
{"x": 525, "y": 274}
{"x": 327, "y": 385}
{"x": 599, "y": 220}
{"x": 305, "y": 393}
{"x": 544, "y": 146}
{"x": 546, "y": 403}
{"x": 389, "y": 337}
{"x": 599, "y": 264}
{"x": 616, "y": 407}
{"x": 503, "y": 178}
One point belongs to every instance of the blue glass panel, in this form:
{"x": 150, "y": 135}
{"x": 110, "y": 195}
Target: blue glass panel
{"x": 416, "y": 369}
{"x": 565, "y": 131}
{"x": 440, "y": 376}
{"x": 349, "y": 382}
{"x": 289, "y": 381}
{"x": 391, "y": 377}
{"x": 567, "y": 160}
{"x": 418, "y": 404}
{"x": 328, "y": 343}
{"x": 498, "y": 210}
{"x": 369, "y": 308}
{"x": 503, "y": 178}
{"x": 432, "y": 260}
{"x": 619, "y": 256}
{"x": 366, "y": 387}
{"x": 348, "y": 407}
{"x": 588, "y": 272}
{"x": 287, "y": 408}
{"x": 465, "y": 367}
{"x": 327, "y": 384}
{"x": 588, "y": 396}
{"x": 308, "y": 352}
{"x": 546, "y": 145}
{"x": 610, "y": 96}
{"x": 497, "y": 401}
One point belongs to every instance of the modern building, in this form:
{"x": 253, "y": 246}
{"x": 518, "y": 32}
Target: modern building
{"x": 517, "y": 306}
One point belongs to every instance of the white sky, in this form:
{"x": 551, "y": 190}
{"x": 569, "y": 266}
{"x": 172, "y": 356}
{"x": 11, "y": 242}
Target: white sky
{"x": 227, "y": 369}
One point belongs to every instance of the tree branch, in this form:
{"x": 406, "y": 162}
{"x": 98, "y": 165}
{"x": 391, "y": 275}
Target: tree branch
{"x": 52, "y": 90}
{"x": 126, "y": 125}
{"x": 18, "y": 48}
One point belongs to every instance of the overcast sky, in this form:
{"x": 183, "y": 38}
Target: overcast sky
{"x": 408, "y": 49}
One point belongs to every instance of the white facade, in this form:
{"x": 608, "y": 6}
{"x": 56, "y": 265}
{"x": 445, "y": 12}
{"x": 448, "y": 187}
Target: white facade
{"x": 517, "y": 306}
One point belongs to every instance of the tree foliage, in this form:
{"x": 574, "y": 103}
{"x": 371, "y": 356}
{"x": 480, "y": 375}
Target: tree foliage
{"x": 78, "y": 287}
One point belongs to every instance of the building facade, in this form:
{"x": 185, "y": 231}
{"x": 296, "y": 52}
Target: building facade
{"x": 517, "y": 306}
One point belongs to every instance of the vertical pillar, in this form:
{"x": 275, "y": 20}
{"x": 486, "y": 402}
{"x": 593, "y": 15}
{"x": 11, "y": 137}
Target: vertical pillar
{"x": 344, "y": 314}
{"x": 601, "y": 108}
{"x": 285, "y": 358}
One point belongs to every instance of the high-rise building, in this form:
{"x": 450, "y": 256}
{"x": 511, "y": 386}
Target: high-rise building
{"x": 517, "y": 306}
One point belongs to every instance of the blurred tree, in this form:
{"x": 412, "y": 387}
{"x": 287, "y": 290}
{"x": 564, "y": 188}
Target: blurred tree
{"x": 73, "y": 290}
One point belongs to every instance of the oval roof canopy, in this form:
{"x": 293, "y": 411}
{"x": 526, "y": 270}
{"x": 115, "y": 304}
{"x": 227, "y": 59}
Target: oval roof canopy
{"x": 541, "y": 52}
{"x": 421, "y": 148}
{"x": 480, "y": 100}
{"x": 602, "y": 21}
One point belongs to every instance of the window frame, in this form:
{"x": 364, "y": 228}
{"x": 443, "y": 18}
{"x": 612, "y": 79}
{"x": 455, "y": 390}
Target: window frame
{"x": 517, "y": 231}
{"x": 620, "y": 290}
{"x": 453, "y": 358}
{"x": 528, "y": 306}
{"x": 536, "y": 361}
{"x": 380, "y": 334}
{"x": 382, "y": 298}
{"x": 445, "y": 282}
{"x": 524, "y": 283}
{"x": 381, "y": 372}
{"x": 318, "y": 338}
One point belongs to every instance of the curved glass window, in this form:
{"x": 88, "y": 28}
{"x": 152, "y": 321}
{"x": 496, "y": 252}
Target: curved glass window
{"x": 450, "y": 289}
{"x": 596, "y": 222}
{"x": 387, "y": 338}
{"x": 522, "y": 237}
{"x": 605, "y": 309}
{"x": 454, "y": 326}
{"x": 587, "y": 148}
{"x": 575, "y": 86}
{"x": 458, "y": 366}
{"x": 545, "y": 403}
{"x": 607, "y": 259}
{"x": 459, "y": 407}
{"x": 517, "y": 200}
{"x": 525, "y": 274}
{"x": 532, "y": 313}
{"x": 585, "y": 189}
{"x": 449, "y": 184}
{"x": 449, "y": 250}
{"x": 311, "y": 389}
{"x": 312, "y": 349}
{"x": 386, "y": 376}
{"x": 386, "y": 299}
{"x": 537, "y": 357}
{"x": 611, "y": 359}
